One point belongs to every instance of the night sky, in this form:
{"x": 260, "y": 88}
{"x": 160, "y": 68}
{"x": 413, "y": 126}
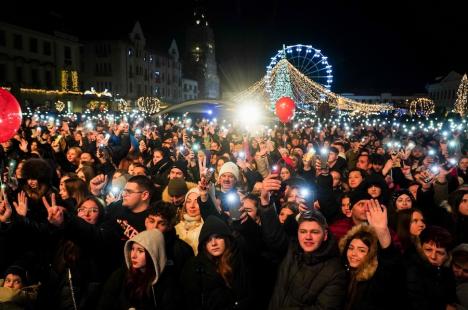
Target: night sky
{"x": 384, "y": 46}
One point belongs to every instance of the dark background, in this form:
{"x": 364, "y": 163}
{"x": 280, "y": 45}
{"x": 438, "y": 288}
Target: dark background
{"x": 380, "y": 46}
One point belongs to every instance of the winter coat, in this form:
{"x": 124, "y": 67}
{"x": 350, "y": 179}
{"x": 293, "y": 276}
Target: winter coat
{"x": 378, "y": 277}
{"x": 305, "y": 280}
{"x": 204, "y": 287}
{"x": 189, "y": 229}
{"x": 428, "y": 287}
{"x": 23, "y": 298}
{"x": 163, "y": 293}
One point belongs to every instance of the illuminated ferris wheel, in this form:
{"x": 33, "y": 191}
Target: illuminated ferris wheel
{"x": 308, "y": 60}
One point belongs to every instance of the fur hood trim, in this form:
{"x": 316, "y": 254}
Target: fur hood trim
{"x": 368, "y": 267}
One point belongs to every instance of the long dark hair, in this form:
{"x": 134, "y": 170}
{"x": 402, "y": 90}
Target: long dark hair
{"x": 224, "y": 262}
{"x": 403, "y": 224}
{"x": 138, "y": 283}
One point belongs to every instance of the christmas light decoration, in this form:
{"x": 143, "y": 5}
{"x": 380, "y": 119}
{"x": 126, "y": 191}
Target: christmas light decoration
{"x": 64, "y": 80}
{"x": 75, "y": 86}
{"x": 421, "y": 106}
{"x": 92, "y": 91}
{"x": 461, "y": 104}
{"x": 59, "y": 105}
{"x": 149, "y": 105}
{"x": 123, "y": 105}
{"x": 307, "y": 94}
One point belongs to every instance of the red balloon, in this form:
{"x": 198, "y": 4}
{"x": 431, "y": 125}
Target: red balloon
{"x": 285, "y": 109}
{"x": 10, "y": 115}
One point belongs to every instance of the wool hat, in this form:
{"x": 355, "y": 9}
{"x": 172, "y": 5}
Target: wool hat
{"x": 192, "y": 190}
{"x": 231, "y": 168}
{"x": 356, "y": 196}
{"x": 177, "y": 187}
{"x": 181, "y": 165}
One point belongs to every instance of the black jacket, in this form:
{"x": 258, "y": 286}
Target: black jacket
{"x": 204, "y": 287}
{"x": 428, "y": 287}
{"x": 305, "y": 281}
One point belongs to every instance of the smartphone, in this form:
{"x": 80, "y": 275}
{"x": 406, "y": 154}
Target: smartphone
{"x": 184, "y": 151}
{"x": 12, "y": 168}
{"x": 433, "y": 171}
{"x": 241, "y": 155}
{"x": 324, "y": 158}
{"x": 116, "y": 192}
{"x": 232, "y": 205}
{"x": 307, "y": 195}
{"x": 209, "y": 174}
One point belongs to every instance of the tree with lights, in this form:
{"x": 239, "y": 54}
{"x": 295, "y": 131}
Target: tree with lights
{"x": 462, "y": 97}
{"x": 282, "y": 86}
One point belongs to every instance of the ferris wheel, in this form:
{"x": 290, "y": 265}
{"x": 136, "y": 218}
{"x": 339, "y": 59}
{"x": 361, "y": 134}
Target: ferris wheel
{"x": 308, "y": 60}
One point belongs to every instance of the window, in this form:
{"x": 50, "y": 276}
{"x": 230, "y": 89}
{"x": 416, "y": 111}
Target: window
{"x": 34, "y": 77}
{"x": 19, "y": 75}
{"x": 48, "y": 79}
{"x": 67, "y": 55}
{"x": 2, "y": 38}
{"x": 3, "y": 72}
{"x": 18, "y": 41}
{"x": 47, "y": 48}
{"x": 33, "y": 45}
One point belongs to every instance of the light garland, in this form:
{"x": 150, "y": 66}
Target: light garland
{"x": 49, "y": 92}
{"x": 461, "y": 104}
{"x": 421, "y": 106}
{"x": 149, "y": 105}
{"x": 307, "y": 94}
{"x": 75, "y": 86}
{"x": 64, "y": 80}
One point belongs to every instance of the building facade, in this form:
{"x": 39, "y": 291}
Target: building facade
{"x": 443, "y": 91}
{"x": 200, "y": 56}
{"x": 129, "y": 68}
{"x": 190, "y": 89}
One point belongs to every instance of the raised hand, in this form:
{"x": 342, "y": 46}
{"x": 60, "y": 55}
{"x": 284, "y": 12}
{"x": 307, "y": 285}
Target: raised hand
{"x": 54, "y": 212}
{"x": 270, "y": 183}
{"x": 5, "y": 208}
{"x": 377, "y": 218}
{"x": 21, "y": 206}
{"x": 376, "y": 214}
{"x": 97, "y": 183}
{"x": 24, "y": 145}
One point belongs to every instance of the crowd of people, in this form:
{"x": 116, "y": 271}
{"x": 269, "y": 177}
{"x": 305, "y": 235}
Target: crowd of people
{"x": 351, "y": 212}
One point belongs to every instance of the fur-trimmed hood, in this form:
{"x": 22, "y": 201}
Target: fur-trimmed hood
{"x": 368, "y": 267}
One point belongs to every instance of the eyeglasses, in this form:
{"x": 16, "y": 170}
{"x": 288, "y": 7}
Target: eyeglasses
{"x": 88, "y": 210}
{"x": 129, "y": 192}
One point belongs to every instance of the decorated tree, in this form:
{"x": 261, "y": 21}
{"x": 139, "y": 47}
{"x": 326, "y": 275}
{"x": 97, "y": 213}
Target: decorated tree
{"x": 462, "y": 97}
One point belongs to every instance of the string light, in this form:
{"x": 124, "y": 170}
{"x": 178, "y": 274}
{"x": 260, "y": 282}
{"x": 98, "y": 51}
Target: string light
{"x": 59, "y": 105}
{"x": 307, "y": 94}
{"x": 92, "y": 91}
{"x": 149, "y": 105}
{"x": 75, "y": 86}
{"x": 421, "y": 106}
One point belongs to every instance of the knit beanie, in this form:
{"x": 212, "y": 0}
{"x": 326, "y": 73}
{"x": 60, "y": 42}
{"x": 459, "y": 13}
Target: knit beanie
{"x": 356, "y": 196}
{"x": 230, "y": 167}
{"x": 177, "y": 187}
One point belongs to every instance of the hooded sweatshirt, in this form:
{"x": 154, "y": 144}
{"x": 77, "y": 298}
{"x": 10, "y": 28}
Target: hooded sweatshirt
{"x": 153, "y": 242}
